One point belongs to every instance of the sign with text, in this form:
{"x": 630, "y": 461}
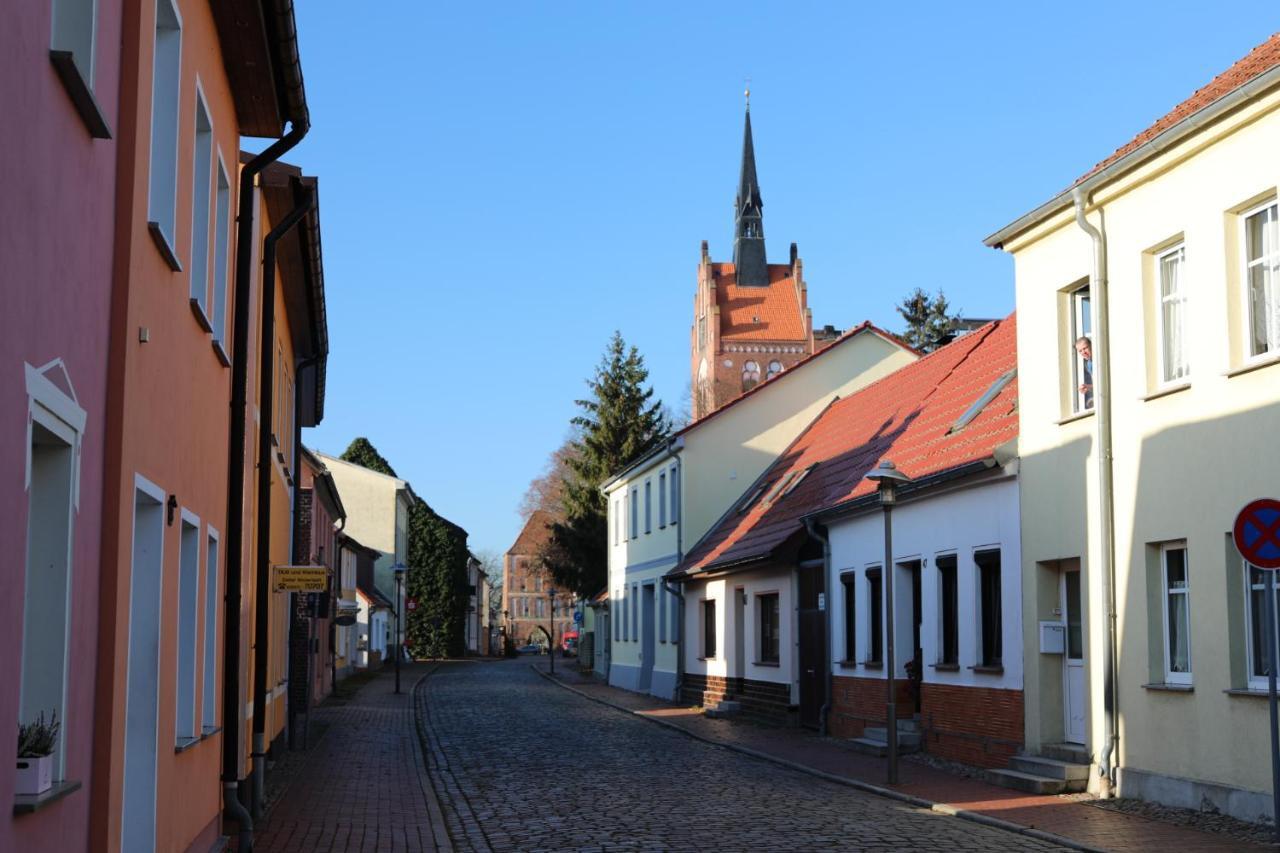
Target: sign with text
{"x": 302, "y": 578}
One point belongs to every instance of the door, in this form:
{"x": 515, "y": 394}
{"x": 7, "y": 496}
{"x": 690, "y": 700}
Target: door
{"x": 916, "y": 671}
{"x": 1073, "y": 669}
{"x": 812, "y": 630}
{"x": 739, "y": 636}
{"x": 646, "y": 636}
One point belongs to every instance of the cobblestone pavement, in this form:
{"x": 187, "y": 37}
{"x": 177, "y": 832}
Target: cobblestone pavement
{"x": 521, "y": 764}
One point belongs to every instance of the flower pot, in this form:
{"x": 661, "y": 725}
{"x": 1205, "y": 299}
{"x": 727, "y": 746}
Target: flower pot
{"x": 35, "y": 775}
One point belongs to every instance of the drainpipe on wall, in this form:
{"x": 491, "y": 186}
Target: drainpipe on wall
{"x": 266, "y": 405}
{"x": 820, "y": 535}
{"x": 1101, "y": 346}
{"x": 232, "y": 710}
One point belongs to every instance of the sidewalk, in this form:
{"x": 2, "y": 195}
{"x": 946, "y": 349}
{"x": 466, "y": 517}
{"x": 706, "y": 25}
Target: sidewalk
{"x": 364, "y": 784}
{"x": 1084, "y": 825}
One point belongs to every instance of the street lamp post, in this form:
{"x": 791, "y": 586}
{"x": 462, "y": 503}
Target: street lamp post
{"x": 398, "y": 569}
{"x": 551, "y": 594}
{"x": 887, "y": 478}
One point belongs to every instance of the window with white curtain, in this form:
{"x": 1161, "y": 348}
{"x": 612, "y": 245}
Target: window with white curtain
{"x": 1176, "y": 577}
{"x": 1262, "y": 269}
{"x": 1259, "y": 648}
{"x": 1174, "y": 364}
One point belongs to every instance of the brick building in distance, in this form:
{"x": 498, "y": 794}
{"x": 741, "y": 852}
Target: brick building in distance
{"x": 751, "y": 318}
{"x": 526, "y": 587}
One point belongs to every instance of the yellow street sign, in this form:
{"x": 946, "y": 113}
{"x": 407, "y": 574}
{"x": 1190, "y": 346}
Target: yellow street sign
{"x": 302, "y": 578}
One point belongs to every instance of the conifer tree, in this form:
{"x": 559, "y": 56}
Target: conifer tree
{"x": 618, "y": 423}
{"x": 928, "y": 321}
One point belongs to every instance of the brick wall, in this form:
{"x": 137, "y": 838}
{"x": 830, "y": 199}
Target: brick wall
{"x": 857, "y": 703}
{"x": 763, "y": 701}
{"x": 981, "y": 726}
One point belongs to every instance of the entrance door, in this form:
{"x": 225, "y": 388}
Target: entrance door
{"x": 1073, "y": 686}
{"x": 739, "y": 636}
{"x": 646, "y": 636}
{"x": 813, "y": 660}
{"x": 141, "y": 746}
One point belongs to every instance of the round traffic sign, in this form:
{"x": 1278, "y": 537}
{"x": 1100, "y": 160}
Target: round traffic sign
{"x": 411, "y": 604}
{"x": 1257, "y": 533}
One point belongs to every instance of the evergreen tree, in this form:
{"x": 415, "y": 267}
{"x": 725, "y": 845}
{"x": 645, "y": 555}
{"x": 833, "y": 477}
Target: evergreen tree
{"x": 617, "y": 424}
{"x": 928, "y": 322}
{"x": 437, "y": 568}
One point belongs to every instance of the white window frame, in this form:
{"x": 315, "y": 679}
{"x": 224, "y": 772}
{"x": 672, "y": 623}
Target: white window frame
{"x": 1273, "y": 258}
{"x": 1256, "y": 682}
{"x": 209, "y": 673}
{"x": 662, "y": 500}
{"x": 166, "y": 98}
{"x": 1166, "y": 594}
{"x": 74, "y": 28}
{"x": 635, "y": 512}
{"x": 202, "y": 202}
{"x": 674, "y": 480}
{"x": 1081, "y": 326}
{"x": 188, "y": 631}
{"x": 221, "y": 254}
{"x": 648, "y": 506}
{"x": 1179, "y": 298}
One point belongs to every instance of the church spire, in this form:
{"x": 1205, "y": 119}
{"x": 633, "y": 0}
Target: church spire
{"x": 748, "y": 241}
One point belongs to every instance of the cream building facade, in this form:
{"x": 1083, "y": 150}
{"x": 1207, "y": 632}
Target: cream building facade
{"x": 1166, "y": 258}
{"x": 664, "y": 503}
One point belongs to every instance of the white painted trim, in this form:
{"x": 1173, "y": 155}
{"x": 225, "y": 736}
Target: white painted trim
{"x": 43, "y": 393}
{"x": 1246, "y": 314}
{"x": 1179, "y": 247}
{"x": 1165, "y": 547}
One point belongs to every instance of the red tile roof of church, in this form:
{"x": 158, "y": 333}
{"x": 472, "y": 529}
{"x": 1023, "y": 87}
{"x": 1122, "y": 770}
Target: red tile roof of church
{"x": 906, "y": 416}
{"x": 1261, "y": 59}
{"x": 535, "y": 534}
{"x": 758, "y": 313}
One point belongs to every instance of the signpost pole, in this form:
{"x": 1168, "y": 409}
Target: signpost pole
{"x": 1272, "y": 660}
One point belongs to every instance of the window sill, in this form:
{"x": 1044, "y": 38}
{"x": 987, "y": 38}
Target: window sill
{"x": 210, "y": 731}
{"x": 773, "y": 664}
{"x": 81, "y": 95}
{"x": 162, "y": 243}
{"x": 1078, "y": 416}
{"x": 1247, "y": 691}
{"x": 221, "y": 353}
{"x": 988, "y": 670}
{"x": 199, "y": 314}
{"x": 186, "y": 743}
{"x": 945, "y": 667}
{"x": 705, "y": 658}
{"x": 847, "y": 664}
{"x": 1166, "y": 687}
{"x": 28, "y": 803}
{"x": 872, "y": 664}
{"x": 1165, "y": 392}
{"x": 1251, "y": 366}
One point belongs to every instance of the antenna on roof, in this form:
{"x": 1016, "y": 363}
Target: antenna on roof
{"x": 747, "y": 94}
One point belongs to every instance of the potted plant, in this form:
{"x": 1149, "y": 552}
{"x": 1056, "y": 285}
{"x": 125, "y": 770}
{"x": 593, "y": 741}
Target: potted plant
{"x": 36, "y": 742}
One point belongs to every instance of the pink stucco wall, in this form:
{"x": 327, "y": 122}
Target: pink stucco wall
{"x": 56, "y": 233}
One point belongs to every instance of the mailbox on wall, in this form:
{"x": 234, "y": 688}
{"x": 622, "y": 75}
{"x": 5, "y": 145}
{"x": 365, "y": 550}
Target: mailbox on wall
{"x": 1053, "y": 638}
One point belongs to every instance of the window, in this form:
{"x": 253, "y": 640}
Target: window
{"x": 648, "y": 506}
{"x": 750, "y": 375}
{"x": 675, "y": 493}
{"x": 875, "y": 622}
{"x": 635, "y": 513}
{"x": 221, "y": 241}
{"x": 660, "y": 592}
{"x": 799, "y": 478}
{"x": 201, "y": 203}
{"x": 1259, "y": 649}
{"x": 709, "y": 628}
{"x": 989, "y": 612}
{"x": 1177, "y": 612}
{"x": 617, "y": 520}
{"x": 778, "y": 487}
{"x": 849, "y": 582}
{"x": 635, "y": 611}
{"x": 768, "y": 627}
{"x": 1262, "y": 267}
{"x": 662, "y": 499}
{"x": 1174, "y": 364}
{"x": 626, "y": 628}
{"x": 188, "y": 608}
{"x": 617, "y": 620}
{"x": 1081, "y": 351}
{"x": 702, "y": 332}
{"x": 949, "y": 609}
{"x": 209, "y": 704}
{"x": 73, "y": 32}
{"x": 162, "y": 198}
{"x": 775, "y": 367}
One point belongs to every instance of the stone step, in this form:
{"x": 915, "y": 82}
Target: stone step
{"x": 1029, "y": 782}
{"x": 724, "y": 708}
{"x": 1050, "y": 767}
{"x": 1073, "y": 753}
{"x": 867, "y": 746}
{"x": 906, "y": 738}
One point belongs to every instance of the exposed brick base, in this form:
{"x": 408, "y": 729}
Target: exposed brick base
{"x": 981, "y": 726}
{"x": 763, "y": 701}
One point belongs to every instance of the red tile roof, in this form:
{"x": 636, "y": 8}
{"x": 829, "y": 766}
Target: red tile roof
{"x": 864, "y": 326}
{"x": 1261, "y": 59}
{"x": 906, "y": 417}
{"x": 535, "y": 534}
{"x": 758, "y": 313}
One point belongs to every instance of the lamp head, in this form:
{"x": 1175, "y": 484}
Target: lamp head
{"x": 888, "y": 478}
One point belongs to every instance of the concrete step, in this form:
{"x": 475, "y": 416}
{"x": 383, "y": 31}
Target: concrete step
{"x": 906, "y": 737}
{"x": 724, "y": 708}
{"x": 1050, "y": 767}
{"x": 867, "y": 746}
{"x": 1029, "y": 782}
{"x": 1073, "y": 753}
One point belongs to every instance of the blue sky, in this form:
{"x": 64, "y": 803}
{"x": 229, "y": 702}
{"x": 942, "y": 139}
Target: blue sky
{"x": 503, "y": 185}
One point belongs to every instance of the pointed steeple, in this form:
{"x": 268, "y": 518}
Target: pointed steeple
{"x": 748, "y": 240}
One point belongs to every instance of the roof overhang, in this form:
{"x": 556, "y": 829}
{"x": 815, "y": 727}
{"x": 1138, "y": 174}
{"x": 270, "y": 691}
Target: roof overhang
{"x": 259, "y": 41}
{"x": 672, "y": 446}
{"x": 1153, "y": 147}
{"x": 914, "y": 490}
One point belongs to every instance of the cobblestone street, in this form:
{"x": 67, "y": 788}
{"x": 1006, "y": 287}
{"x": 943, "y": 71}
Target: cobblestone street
{"x": 521, "y": 764}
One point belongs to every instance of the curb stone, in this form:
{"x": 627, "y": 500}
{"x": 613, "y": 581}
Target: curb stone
{"x": 888, "y": 793}
{"x": 439, "y": 829}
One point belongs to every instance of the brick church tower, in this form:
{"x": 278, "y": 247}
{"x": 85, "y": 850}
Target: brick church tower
{"x": 751, "y": 318}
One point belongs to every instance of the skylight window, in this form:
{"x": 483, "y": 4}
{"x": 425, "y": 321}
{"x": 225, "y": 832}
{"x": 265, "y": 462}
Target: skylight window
{"x": 780, "y": 486}
{"x": 798, "y": 480}
{"x": 983, "y": 401}
{"x": 751, "y": 499}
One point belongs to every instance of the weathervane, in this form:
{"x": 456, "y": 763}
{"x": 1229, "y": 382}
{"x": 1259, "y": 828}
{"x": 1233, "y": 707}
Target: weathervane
{"x": 747, "y": 94}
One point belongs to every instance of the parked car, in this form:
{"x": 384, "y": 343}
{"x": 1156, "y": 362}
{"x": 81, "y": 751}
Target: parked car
{"x": 529, "y": 649}
{"x": 569, "y": 646}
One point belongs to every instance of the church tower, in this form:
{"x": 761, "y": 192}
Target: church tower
{"x": 751, "y": 318}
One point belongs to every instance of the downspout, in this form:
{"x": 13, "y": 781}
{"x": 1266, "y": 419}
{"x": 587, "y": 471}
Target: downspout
{"x": 820, "y": 535}
{"x": 232, "y": 711}
{"x": 1101, "y": 346}
{"x": 266, "y": 405}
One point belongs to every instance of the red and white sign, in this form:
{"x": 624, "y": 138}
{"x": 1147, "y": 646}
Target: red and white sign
{"x": 1257, "y": 533}
{"x": 411, "y": 604}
